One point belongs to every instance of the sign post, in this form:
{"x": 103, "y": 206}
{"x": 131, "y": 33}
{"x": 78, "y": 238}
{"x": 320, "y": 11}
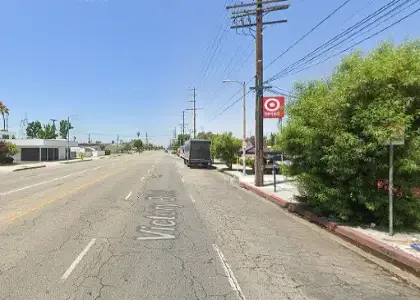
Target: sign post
{"x": 274, "y": 175}
{"x": 396, "y": 139}
{"x": 391, "y": 144}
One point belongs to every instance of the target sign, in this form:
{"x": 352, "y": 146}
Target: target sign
{"x": 273, "y": 107}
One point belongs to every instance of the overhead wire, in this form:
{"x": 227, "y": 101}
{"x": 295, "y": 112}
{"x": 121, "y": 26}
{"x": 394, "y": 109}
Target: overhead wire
{"x": 233, "y": 71}
{"x": 308, "y": 33}
{"x": 232, "y": 104}
{"x": 210, "y": 47}
{"x": 363, "y": 40}
{"x": 358, "y": 33}
{"x": 345, "y": 34}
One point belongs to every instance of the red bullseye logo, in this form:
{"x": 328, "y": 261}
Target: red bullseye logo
{"x": 272, "y": 104}
{"x": 273, "y": 107}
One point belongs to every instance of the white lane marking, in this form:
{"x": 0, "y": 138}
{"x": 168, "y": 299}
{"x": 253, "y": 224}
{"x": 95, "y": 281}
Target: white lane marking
{"x": 142, "y": 178}
{"x": 192, "y": 198}
{"x": 48, "y": 181}
{"x": 77, "y": 260}
{"x": 41, "y": 183}
{"x": 229, "y": 273}
{"x": 128, "y": 196}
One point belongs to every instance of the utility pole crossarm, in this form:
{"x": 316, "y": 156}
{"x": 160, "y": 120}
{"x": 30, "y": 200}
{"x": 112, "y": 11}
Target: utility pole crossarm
{"x": 253, "y": 3}
{"x": 268, "y": 9}
{"x": 253, "y": 24}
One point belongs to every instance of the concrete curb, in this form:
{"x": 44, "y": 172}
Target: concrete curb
{"x": 29, "y": 168}
{"x": 76, "y": 161}
{"x": 380, "y": 249}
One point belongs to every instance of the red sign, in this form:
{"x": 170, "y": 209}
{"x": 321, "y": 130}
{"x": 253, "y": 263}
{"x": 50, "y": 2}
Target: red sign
{"x": 273, "y": 107}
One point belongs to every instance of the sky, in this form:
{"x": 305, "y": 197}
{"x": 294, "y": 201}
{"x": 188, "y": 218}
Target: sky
{"x": 125, "y": 66}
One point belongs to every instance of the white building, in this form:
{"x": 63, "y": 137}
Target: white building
{"x": 88, "y": 151}
{"x": 42, "y": 150}
{"x": 5, "y": 135}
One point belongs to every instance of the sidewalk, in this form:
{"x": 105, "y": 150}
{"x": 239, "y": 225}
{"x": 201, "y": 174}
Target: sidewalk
{"x": 396, "y": 248}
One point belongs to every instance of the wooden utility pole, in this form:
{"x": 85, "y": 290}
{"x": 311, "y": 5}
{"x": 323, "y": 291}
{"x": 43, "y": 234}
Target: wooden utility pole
{"x": 194, "y": 109}
{"x": 194, "y": 114}
{"x": 262, "y": 7}
{"x": 183, "y": 128}
{"x": 259, "y": 121}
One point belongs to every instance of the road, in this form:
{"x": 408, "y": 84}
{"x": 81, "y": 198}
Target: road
{"x": 146, "y": 227}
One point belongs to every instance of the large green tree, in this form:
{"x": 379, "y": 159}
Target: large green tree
{"x": 65, "y": 127}
{"x": 34, "y": 129}
{"x": 338, "y": 128}
{"x": 224, "y": 147}
{"x": 48, "y": 132}
{"x": 205, "y": 135}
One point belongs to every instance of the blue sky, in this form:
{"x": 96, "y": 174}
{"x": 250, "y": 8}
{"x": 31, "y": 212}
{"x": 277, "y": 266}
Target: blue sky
{"x": 127, "y": 65}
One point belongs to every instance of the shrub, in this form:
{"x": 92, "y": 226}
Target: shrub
{"x": 81, "y": 155}
{"x": 12, "y": 149}
{"x": 107, "y": 152}
{"x": 6, "y": 160}
{"x": 337, "y": 129}
{"x": 7, "y": 150}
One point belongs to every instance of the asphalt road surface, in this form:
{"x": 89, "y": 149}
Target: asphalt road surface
{"x": 146, "y": 227}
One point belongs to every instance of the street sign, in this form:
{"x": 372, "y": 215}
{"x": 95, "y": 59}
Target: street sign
{"x": 273, "y": 107}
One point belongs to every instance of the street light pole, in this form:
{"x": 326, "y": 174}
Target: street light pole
{"x": 243, "y": 123}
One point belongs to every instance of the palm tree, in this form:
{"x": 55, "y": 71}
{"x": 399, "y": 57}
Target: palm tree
{"x": 4, "y": 111}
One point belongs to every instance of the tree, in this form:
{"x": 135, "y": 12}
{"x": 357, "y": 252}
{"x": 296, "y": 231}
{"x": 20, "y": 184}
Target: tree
{"x": 65, "y": 127}
{"x": 138, "y": 134}
{"x": 48, "y": 132}
{"x": 33, "y": 130}
{"x": 98, "y": 142}
{"x": 102, "y": 147}
{"x": 205, "y": 135}
{"x": 126, "y": 146}
{"x": 225, "y": 147}
{"x": 271, "y": 140}
{"x": 4, "y": 111}
{"x": 338, "y": 128}
{"x": 175, "y": 145}
{"x": 183, "y": 138}
{"x": 138, "y": 144}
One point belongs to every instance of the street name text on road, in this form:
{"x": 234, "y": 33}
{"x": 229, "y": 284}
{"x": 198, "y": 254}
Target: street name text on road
{"x": 163, "y": 218}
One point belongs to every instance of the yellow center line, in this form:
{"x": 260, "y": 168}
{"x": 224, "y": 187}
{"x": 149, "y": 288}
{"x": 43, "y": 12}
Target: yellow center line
{"x": 41, "y": 205}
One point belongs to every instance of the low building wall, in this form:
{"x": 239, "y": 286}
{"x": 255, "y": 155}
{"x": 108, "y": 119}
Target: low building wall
{"x": 98, "y": 153}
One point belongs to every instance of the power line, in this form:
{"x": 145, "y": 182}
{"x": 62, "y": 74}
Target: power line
{"x": 308, "y": 33}
{"x": 232, "y": 73}
{"x": 210, "y": 47}
{"x": 236, "y": 101}
{"x": 337, "y": 37}
{"x": 355, "y": 34}
{"x": 363, "y": 40}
